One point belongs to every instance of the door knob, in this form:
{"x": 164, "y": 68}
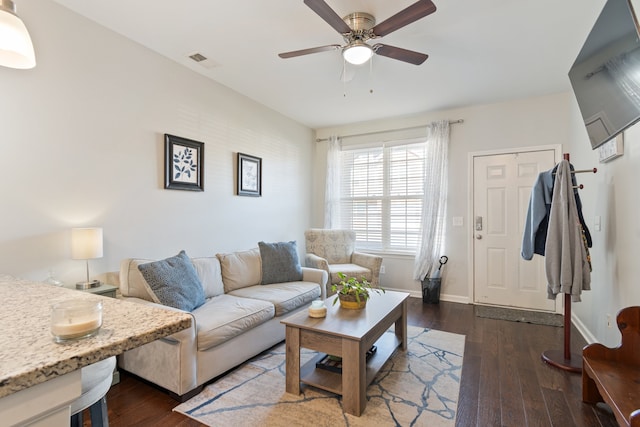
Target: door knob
{"x": 479, "y": 236}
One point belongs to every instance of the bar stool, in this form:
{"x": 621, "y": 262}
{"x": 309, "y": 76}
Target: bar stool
{"x": 96, "y": 381}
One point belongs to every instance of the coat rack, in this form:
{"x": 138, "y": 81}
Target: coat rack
{"x": 566, "y": 360}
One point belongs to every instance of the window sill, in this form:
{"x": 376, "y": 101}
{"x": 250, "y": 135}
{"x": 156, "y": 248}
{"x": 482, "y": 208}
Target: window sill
{"x": 393, "y": 254}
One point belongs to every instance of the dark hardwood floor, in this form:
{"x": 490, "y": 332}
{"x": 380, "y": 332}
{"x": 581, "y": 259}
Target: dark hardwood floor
{"x": 504, "y": 382}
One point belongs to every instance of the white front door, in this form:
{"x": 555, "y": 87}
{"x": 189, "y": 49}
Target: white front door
{"x": 501, "y": 190}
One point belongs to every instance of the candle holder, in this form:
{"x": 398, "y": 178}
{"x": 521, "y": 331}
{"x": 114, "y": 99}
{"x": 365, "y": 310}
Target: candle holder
{"x": 317, "y": 309}
{"x": 75, "y": 319}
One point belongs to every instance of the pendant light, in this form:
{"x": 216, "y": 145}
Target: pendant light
{"x": 16, "y": 49}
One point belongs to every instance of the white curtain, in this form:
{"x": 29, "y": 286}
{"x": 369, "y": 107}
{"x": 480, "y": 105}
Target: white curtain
{"x": 434, "y": 200}
{"x": 332, "y": 185}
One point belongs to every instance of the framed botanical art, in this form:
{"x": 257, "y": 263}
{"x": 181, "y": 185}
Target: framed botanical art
{"x": 183, "y": 164}
{"x": 249, "y": 180}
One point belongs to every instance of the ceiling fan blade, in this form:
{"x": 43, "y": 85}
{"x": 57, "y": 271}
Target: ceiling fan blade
{"x": 410, "y": 56}
{"x": 329, "y": 15}
{"x": 308, "y": 51}
{"x": 416, "y": 11}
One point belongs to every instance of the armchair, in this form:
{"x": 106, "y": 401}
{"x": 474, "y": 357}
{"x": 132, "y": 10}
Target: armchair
{"x": 334, "y": 251}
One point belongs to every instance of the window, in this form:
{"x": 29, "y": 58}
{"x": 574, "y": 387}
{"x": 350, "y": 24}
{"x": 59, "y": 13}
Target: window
{"x": 381, "y": 195}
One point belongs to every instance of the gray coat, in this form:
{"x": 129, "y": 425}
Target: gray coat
{"x": 566, "y": 261}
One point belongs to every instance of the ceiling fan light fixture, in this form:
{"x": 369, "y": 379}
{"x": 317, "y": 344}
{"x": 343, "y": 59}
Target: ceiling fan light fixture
{"x": 357, "y": 53}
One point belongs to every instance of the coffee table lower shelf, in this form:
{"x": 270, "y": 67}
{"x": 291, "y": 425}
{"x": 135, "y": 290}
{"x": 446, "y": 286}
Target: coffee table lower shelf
{"x": 332, "y": 381}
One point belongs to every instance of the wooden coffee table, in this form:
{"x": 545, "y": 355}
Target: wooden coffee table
{"x": 348, "y": 334}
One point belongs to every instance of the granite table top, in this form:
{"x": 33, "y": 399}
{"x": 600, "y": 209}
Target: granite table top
{"x": 28, "y": 353}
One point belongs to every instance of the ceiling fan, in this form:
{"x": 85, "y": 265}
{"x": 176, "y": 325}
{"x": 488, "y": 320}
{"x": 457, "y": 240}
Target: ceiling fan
{"x": 359, "y": 27}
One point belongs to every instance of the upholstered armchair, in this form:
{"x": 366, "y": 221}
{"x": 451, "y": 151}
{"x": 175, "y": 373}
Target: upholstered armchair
{"x": 334, "y": 251}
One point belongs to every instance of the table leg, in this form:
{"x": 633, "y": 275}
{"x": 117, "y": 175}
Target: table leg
{"x": 292, "y": 343}
{"x": 354, "y": 377}
{"x": 401, "y": 326}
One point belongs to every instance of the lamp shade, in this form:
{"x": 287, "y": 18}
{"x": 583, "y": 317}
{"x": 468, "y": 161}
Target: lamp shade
{"x": 357, "y": 53}
{"x": 86, "y": 243}
{"x": 16, "y": 48}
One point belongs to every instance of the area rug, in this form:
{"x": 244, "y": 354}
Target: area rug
{"x": 515, "y": 315}
{"x": 418, "y": 387}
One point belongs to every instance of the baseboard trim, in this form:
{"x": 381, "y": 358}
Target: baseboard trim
{"x": 455, "y": 298}
{"x": 582, "y": 328}
{"x": 443, "y": 297}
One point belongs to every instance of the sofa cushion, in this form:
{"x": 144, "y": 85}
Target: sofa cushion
{"x": 132, "y": 284}
{"x": 240, "y": 269}
{"x": 350, "y": 270}
{"x": 226, "y": 316}
{"x": 174, "y": 282}
{"x": 286, "y": 297}
{"x": 210, "y": 275}
{"x": 280, "y": 262}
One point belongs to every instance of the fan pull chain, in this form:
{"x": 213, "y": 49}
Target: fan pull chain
{"x": 344, "y": 78}
{"x": 371, "y": 75}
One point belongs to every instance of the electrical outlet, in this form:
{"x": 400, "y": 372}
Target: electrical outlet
{"x": 609, "y": 321}
{"x": 382, "y": 270}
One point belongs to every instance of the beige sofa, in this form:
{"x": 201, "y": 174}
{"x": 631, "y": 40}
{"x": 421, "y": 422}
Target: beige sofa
{"x": 239, "y": 319}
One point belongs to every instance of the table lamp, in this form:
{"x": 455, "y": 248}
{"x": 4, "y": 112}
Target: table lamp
{"x": 86, "y": 244}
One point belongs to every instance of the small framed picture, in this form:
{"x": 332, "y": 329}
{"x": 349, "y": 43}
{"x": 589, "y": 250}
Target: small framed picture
{"x": 183, "y": 164}
{"x": 249, "y": 175}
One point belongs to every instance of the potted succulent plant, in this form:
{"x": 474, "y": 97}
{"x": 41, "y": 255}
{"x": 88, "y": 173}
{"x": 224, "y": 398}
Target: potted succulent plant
{"x": 353, "y": 293}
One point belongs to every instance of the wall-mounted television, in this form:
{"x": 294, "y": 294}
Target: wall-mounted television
{"x": 605, "y": 76}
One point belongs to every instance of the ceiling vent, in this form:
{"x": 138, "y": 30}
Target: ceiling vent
{"x": 198, "y": 57}
{"x": 201, "y": 60}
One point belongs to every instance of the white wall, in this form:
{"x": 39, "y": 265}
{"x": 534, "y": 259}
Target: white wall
{"x": 613, "y": 195}
{"x": 82, "y": 145}
{"x": 521, "y": 123}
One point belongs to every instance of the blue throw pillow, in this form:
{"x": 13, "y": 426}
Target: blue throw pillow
{"x": 280, "y": 262}
{"x": 174, "y": 281}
